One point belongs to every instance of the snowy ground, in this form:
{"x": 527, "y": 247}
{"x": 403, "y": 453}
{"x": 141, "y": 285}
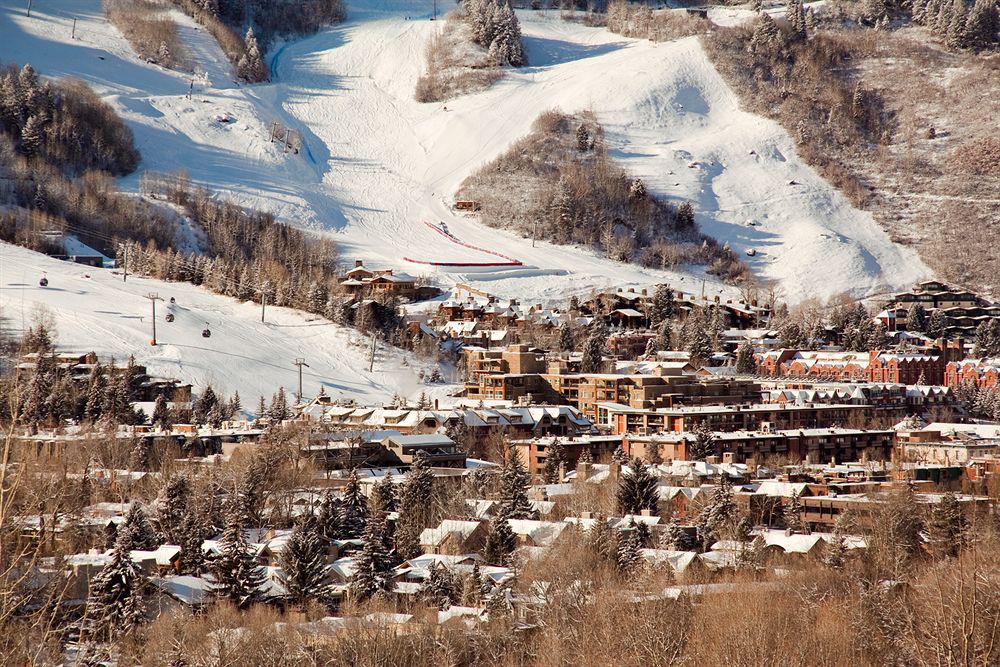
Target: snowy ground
{"x": 113, "y": 318}
{"x": 376, "y": 163}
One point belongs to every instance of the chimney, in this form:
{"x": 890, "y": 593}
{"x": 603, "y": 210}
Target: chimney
{"x": 646, "y": 512}
{"x": 614, "y": 471}
{"x": 435, "y": 404}
{"x": 358, "y": 263}
{"x": 582, "y": 471}
{"x": 586, "y": 515}
{"x": 712, "y": 459}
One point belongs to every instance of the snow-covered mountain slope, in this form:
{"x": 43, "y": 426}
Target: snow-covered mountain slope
{"x": 376, "y": 164}
{"x": 104, "y": 314}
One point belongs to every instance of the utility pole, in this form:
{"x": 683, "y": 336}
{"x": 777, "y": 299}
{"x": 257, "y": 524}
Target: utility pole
{"x": 191, "y": 88}
{"x": 371, "y": 356}
{"x": 284, "y": 149}
{"x": 29, "y": 8}
{"x": 153, "y": 298}
{"x": 125, "y": 265}
{"x": 274, "y": 128}
{"x": 300, "y": 362}
{"x": 73, "y": 36}
{"x": 435, "y": 13}
{"x": 263, "y": 298}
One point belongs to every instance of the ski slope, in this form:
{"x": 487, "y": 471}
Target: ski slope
{"x": 113, "y": 318}
{"x": 377, "y": 165}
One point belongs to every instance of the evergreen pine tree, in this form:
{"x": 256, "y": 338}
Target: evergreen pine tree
{"x": 601, "y": 540}
{"x": 674, "y": 538}
{"x": 423, "y": 403}
{"x": 637, "y": 490}
{"x": 440, "y": 588}
{"x": 566, "y": 338}
{"x": 304, "y": 571}
{"x": 704, "y": 444}
{"x": 719, "y": 515}
{"x": 684, "y": 217}
{"x": 653, "y": 453}
{"x": 936, "y": 325}
{"x": 414, "y": 508}
{"x": 330, "y": 519}
{"x": 279, "y": 410}
{"x": 373, "y": 568}
{"x": 916, "y": 319}
{"x": 500, "y": 543}
{"x": 354, "y": 510}
{"x": 792, "y": 514}
{"x": 235, "y": 406}
{"x": 115, "y": 597}
{"x": 193, "y": 534}
{"x": 137, "y": 532}
{"x": 957, "y": 37}
{"x": 238, "y": 578}
{"x": 251, "y": 65}
{"x": 836, "y": 553}
{"x": 746, "y": 360}
{"x": 796, "y": 17}
{"x": 163, "y": 54}
{"x": 383, "y": 498}
{"x": 513, "y": 492}
{"x": 205, "y": 404}
{"x": 554, "y": 458}
{"x": 946, "y": 527}
{"x": 627, "y": 556}
{"x": 171, "y": 508}
{"x": 663, "y": 305}
{"x": 982, "y": 24}
{"x": 766, "y": 37}
{"x": 110, "y": 535}
{"x": 161, "y": 413}
{"x": 32, "y": 136}
{"x": 593, "y": 351}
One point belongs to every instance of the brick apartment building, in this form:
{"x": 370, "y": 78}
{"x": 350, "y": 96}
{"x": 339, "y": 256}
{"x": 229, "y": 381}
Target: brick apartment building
{"x": 520, "y": 372}
{"x": 811, "y": 445}
{"x": 875, "y": 366}
{"x": 534, "y": 452}
{"x": 625, "y": 419}
{"x": 984, "y": 373}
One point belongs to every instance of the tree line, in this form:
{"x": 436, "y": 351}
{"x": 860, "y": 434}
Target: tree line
{"x": 260, "y": 22}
